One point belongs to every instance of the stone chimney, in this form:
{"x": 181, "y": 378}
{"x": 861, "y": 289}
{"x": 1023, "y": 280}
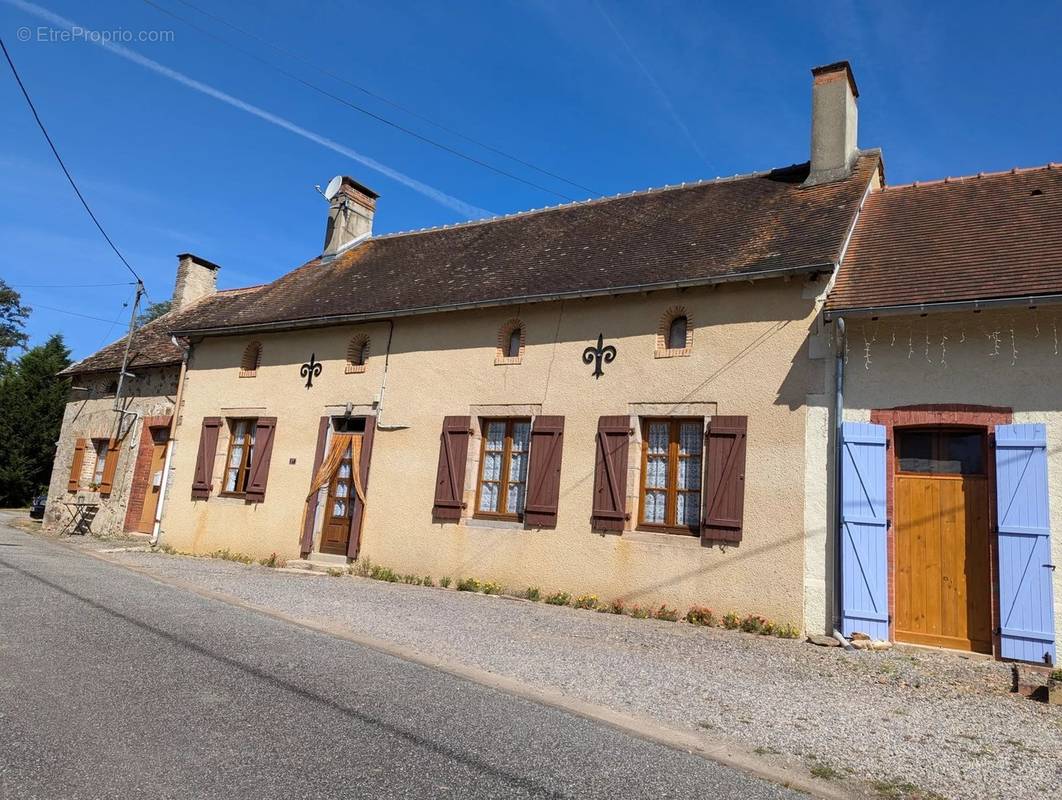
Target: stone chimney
{"x": 834, "y": 123}
{"x": 196, "y": 278}
{"x": 350, "y": 215}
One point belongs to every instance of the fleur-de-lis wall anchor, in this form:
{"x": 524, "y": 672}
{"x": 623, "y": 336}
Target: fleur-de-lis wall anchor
{"x": 310, "y": 370}
{"x": 602, "y": 354}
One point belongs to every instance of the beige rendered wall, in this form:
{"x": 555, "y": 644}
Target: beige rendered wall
{"x": 749, "y": 356}
{"x": 91, "y": 415}
{"x": 995, "y": 358}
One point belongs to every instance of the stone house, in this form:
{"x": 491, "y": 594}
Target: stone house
{"x": 107, "y": 471}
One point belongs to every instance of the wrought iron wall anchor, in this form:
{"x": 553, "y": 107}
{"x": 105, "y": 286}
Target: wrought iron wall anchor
{"x": 597, "y": 355}
{"x": 310, "y": 370}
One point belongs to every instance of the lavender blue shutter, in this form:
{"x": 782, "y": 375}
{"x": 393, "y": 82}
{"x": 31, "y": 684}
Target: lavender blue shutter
{"x": 1026, "y": 606}
{"x": 864, "y": 525}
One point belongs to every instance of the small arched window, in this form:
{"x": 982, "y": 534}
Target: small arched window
{"x": 513, "y": 348}
{"x": 510, "y": 343}
{"x": 357, "y": 353}
{"x": 252, "y": 358}
{"x": 676, "y": 334}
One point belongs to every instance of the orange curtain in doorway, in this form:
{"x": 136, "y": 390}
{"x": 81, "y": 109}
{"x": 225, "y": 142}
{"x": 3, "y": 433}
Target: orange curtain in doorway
{"x": 336, "y": 452}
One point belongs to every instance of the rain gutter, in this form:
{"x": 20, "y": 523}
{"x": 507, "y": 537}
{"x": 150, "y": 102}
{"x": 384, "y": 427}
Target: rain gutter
{"x": 345, "y": 319}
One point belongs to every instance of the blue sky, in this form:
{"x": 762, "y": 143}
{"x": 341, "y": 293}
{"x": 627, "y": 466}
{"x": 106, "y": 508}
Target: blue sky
{"x": 612, "y": 95}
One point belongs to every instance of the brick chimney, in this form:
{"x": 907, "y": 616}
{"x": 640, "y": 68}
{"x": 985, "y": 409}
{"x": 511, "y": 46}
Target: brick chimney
{"x": 350, "y": 215}
{"x": 196, "y": 278}
{"x": 834, "y": 123}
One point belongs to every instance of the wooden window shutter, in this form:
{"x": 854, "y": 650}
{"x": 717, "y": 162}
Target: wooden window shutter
{"x": 75, "y": 466}
{"x": 311, "y": 501}
{"x": 450, "y": 478}
{"x": 258, "y": 470}
{"x": 610, "y": 473}
{"x": 204, "y": 461}
{"x": 110, "y": 465}
{"x": 724, "y": 479}
{"x": 543, "y": 473}
{"x": 358, "y": 517}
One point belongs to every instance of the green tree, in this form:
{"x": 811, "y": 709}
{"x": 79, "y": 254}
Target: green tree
{"x": 153, "y": 311}
{"x": 32, "y": 401}
{"x": 12, "y": 319}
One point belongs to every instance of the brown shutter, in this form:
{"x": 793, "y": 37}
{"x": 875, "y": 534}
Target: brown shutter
{"x": 610, "y": 473}
{"x": 724, "y": 479}
{"x": 258, "y": 470}
{"x": 356, "y": 519}
{"x": 543, "y": 473}
{"x": 311, "y": 502}
{"x": 450, "y": 478}
{"x": 110, "y": 464}
{"x": 204, "y": 461}
{"x": 75, "y": 467}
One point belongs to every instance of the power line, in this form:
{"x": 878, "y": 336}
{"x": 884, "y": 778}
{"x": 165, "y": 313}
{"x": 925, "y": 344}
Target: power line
{"x": 367, "y": 112}
{"x": 405, "y": 109}
{"x": 114, "y": 322}
{"x": 68, "y": 285}
{"x": 59, "y": 158}
{"x": 72, "y": 313}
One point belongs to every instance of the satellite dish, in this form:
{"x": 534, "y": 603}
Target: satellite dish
{"x": 333, "y": 187}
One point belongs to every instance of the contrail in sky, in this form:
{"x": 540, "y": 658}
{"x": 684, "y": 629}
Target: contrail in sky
{"x": 664, "y": 99}
{"x": 430, "y": 192}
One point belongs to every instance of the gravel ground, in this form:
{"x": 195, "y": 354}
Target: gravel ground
{"x": 899, "y": 723}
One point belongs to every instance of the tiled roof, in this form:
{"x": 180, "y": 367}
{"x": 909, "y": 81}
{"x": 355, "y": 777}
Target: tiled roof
{"x": 985, "y": 237}
{"x": 152, "y": 345}
{"x": 699, "y": 233}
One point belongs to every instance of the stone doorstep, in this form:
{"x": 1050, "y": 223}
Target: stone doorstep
{"x": 319, "y": 562}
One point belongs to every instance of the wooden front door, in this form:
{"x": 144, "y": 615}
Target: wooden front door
{"x": 943, "y": 584}
{"x": 159, "y": 436}
{"x": 339, "y": 508}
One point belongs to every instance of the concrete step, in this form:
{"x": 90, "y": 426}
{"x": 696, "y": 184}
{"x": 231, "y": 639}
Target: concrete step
{"x": 319, "y": 562}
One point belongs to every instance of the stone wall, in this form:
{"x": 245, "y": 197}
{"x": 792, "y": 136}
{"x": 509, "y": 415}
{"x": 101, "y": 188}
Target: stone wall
{"x": 91, "y": 415}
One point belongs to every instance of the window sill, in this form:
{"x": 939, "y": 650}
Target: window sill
{"x": 354, "y": 369}
{"x": 676, "y": 353}
{"x": 500, "y": 361}
{"x": 674, "y": 538}
{"x": 496, "y": 523}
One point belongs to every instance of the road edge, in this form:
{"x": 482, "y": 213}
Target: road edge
{"x": 673, "y": 737}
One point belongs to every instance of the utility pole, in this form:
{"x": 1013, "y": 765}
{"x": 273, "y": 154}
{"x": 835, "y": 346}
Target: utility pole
{"x": 128, "y": 342}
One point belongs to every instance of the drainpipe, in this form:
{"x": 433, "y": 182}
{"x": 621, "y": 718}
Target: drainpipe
{"x": 156, "y": 529}
{"x": 380, "y": 424}
{"x": 838, "y": 414}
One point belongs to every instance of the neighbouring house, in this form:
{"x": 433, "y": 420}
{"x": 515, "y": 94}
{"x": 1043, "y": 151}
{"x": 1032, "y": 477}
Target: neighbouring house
{"x": 952, "y": 482}
{"x": 608, "y": 397}
{"x": 108, "y": 467}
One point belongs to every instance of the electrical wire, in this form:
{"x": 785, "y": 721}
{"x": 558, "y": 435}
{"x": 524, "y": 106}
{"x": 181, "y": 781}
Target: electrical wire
{"x": 66, "y": 172}
{"x": 405, "y": 109}
{"x": 68, "y": 285}
{"x": 72, "y": 313}
{"x": 367, "y": 112}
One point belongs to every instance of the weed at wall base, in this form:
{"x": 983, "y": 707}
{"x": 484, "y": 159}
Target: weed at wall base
{"x": 587, "y": 601}
{"x": 559, "y": 599}
{"x": 467, "y": 585}
{"x": 444, "y": 581}
{"x": 533, "y": 594}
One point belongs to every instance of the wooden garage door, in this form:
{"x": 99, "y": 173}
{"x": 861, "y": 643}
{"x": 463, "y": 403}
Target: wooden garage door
{"x": 943, "y": 588}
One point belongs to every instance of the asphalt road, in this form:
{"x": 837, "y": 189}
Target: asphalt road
{"x": 115, "y": 686}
